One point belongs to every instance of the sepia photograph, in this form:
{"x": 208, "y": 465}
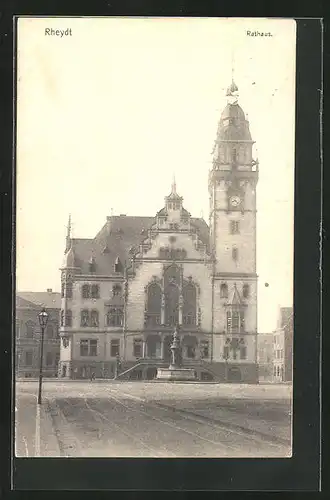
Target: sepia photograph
{"x": 154, "y": 237}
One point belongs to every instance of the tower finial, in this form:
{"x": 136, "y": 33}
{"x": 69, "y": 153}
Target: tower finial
{"x": 173, "y": 185}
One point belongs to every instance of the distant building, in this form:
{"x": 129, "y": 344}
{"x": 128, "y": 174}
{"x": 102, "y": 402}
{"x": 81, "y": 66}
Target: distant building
{"x": 28, "y": 306}
{"x": 125, "y": 290}
{"x": 283, "y": 346}
{"x": 265, "y": 356}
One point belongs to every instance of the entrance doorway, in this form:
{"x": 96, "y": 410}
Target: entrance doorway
{"x": 234, "y": 374}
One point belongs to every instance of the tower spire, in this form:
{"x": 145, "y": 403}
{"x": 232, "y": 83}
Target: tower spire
{"x": 232, "y": 66}
{"x": 68, "y": 235}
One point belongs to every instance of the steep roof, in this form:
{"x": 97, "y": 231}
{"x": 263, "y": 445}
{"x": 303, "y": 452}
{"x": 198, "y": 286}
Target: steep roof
{"x": 286, "y": 315}
{"x": 118, "y": 235}
{"x": 49, "y": 300}
{"x": 117, "y": 238}
{"x": 233, "y": 124}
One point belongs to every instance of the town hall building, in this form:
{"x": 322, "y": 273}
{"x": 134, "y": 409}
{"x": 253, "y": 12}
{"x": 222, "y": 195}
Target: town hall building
{"x": 124, "y": 291}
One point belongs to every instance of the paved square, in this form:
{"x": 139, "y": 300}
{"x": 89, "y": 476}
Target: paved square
{"x": 141, "y": 419}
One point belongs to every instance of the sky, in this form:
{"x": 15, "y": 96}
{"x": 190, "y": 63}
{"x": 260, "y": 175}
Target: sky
{"x": 106, "y": 116}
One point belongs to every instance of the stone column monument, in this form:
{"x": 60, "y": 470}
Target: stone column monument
{"x": 176, "y": 371}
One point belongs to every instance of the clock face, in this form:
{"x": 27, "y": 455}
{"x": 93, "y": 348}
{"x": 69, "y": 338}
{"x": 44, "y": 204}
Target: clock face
{"x": 235, "y": 201}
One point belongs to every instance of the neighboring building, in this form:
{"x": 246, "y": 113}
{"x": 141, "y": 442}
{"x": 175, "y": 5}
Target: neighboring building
{"x": 125, "y": 290}
{"x": 283, "y": 346}
{"x": 265, "y": 356}
{"x": 28, "y": 331}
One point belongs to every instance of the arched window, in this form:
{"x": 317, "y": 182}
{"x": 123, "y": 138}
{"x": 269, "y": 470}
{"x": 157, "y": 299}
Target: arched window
{"x": 172, "y": 304}
{"x": 50, "y": 331}
{"x": 172, "y": 275}
{"x": 224, "y": 291}
{"x": 94, "y": 318}
{"x": 62, "y": 289}
{"x": 115, "y": 316}
{"x": 235, "y": 321}
{"x": 62, "y": 318}
{"x": 68, "y": 317}
{"x": 84, "y": 318}
{"x": 85, "y": 291}
{"x": 242, "y": 347}
{"x": 154, "y": 301}
{"x": 95, "y": 291}
{"x": 246, "y": 291}
{"x": 234, "y": 253}
{"x": 189, "y": 304}
{"x": 234, "y": 155}
{"x": 69, "y": 290}
{"x": 30, "y": 326}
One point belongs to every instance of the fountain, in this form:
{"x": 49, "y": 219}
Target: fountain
{"x": 176, "y": 371}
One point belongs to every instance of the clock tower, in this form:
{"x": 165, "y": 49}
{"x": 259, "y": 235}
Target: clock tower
{"x": 232, "y": 189}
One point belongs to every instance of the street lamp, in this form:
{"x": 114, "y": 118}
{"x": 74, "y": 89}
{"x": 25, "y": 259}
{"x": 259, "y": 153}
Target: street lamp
{"x": 43, "y": 318}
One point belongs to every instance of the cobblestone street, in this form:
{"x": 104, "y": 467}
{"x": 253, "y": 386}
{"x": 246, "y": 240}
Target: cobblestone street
{"x": 139, "y": 419}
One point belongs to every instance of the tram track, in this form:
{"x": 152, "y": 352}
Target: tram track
{"x": 239, "y": 430}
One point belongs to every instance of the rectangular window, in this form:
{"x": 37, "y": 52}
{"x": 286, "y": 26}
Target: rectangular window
{"x": 28, "y": 358}
{"x": 84, "y": 347}
{"x": 242, "y": 321}
{"x": 69, "y": 290}
{"x": 234, "y": 227}
{"x": 204, "y": 348}
{"x": 137, "y": 348}
{"x": 68, "y": 317}
{"x": 30, "y": 329}
{"x": 84, "y": 318}
{"x": 243, "y": 352}
{"x": 93, "y": 347}
{"x": 49, "y": 358}
{"x": 94, "y": 318}
{"x": 114, "y": 348}
{"x": 189, "y": 319}
{"x": 235, "y": 320}
{"x": 88, "y": 347}
{"x": 226, "y": 352}
{"x": 50, "y": 331}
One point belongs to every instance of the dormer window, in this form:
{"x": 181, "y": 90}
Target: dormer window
{"x": 118, "y": 266}
{"x": 91, "y": 265}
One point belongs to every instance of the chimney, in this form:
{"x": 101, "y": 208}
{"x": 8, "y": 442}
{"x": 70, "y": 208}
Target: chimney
{"x": 49, "y": 290}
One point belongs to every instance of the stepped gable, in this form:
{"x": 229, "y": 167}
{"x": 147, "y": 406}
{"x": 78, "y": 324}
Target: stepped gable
{"x": 116, "y": 239}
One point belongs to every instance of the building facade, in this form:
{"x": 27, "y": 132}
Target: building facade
{"x": 265, "y": 356}
{"x": 123, "y": 292}
{"x": 28, "y": 331}
{"x": 283, "y": 346}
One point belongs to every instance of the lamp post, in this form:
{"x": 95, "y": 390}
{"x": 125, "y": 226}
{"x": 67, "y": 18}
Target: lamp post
{"x": 43, "y": 318}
